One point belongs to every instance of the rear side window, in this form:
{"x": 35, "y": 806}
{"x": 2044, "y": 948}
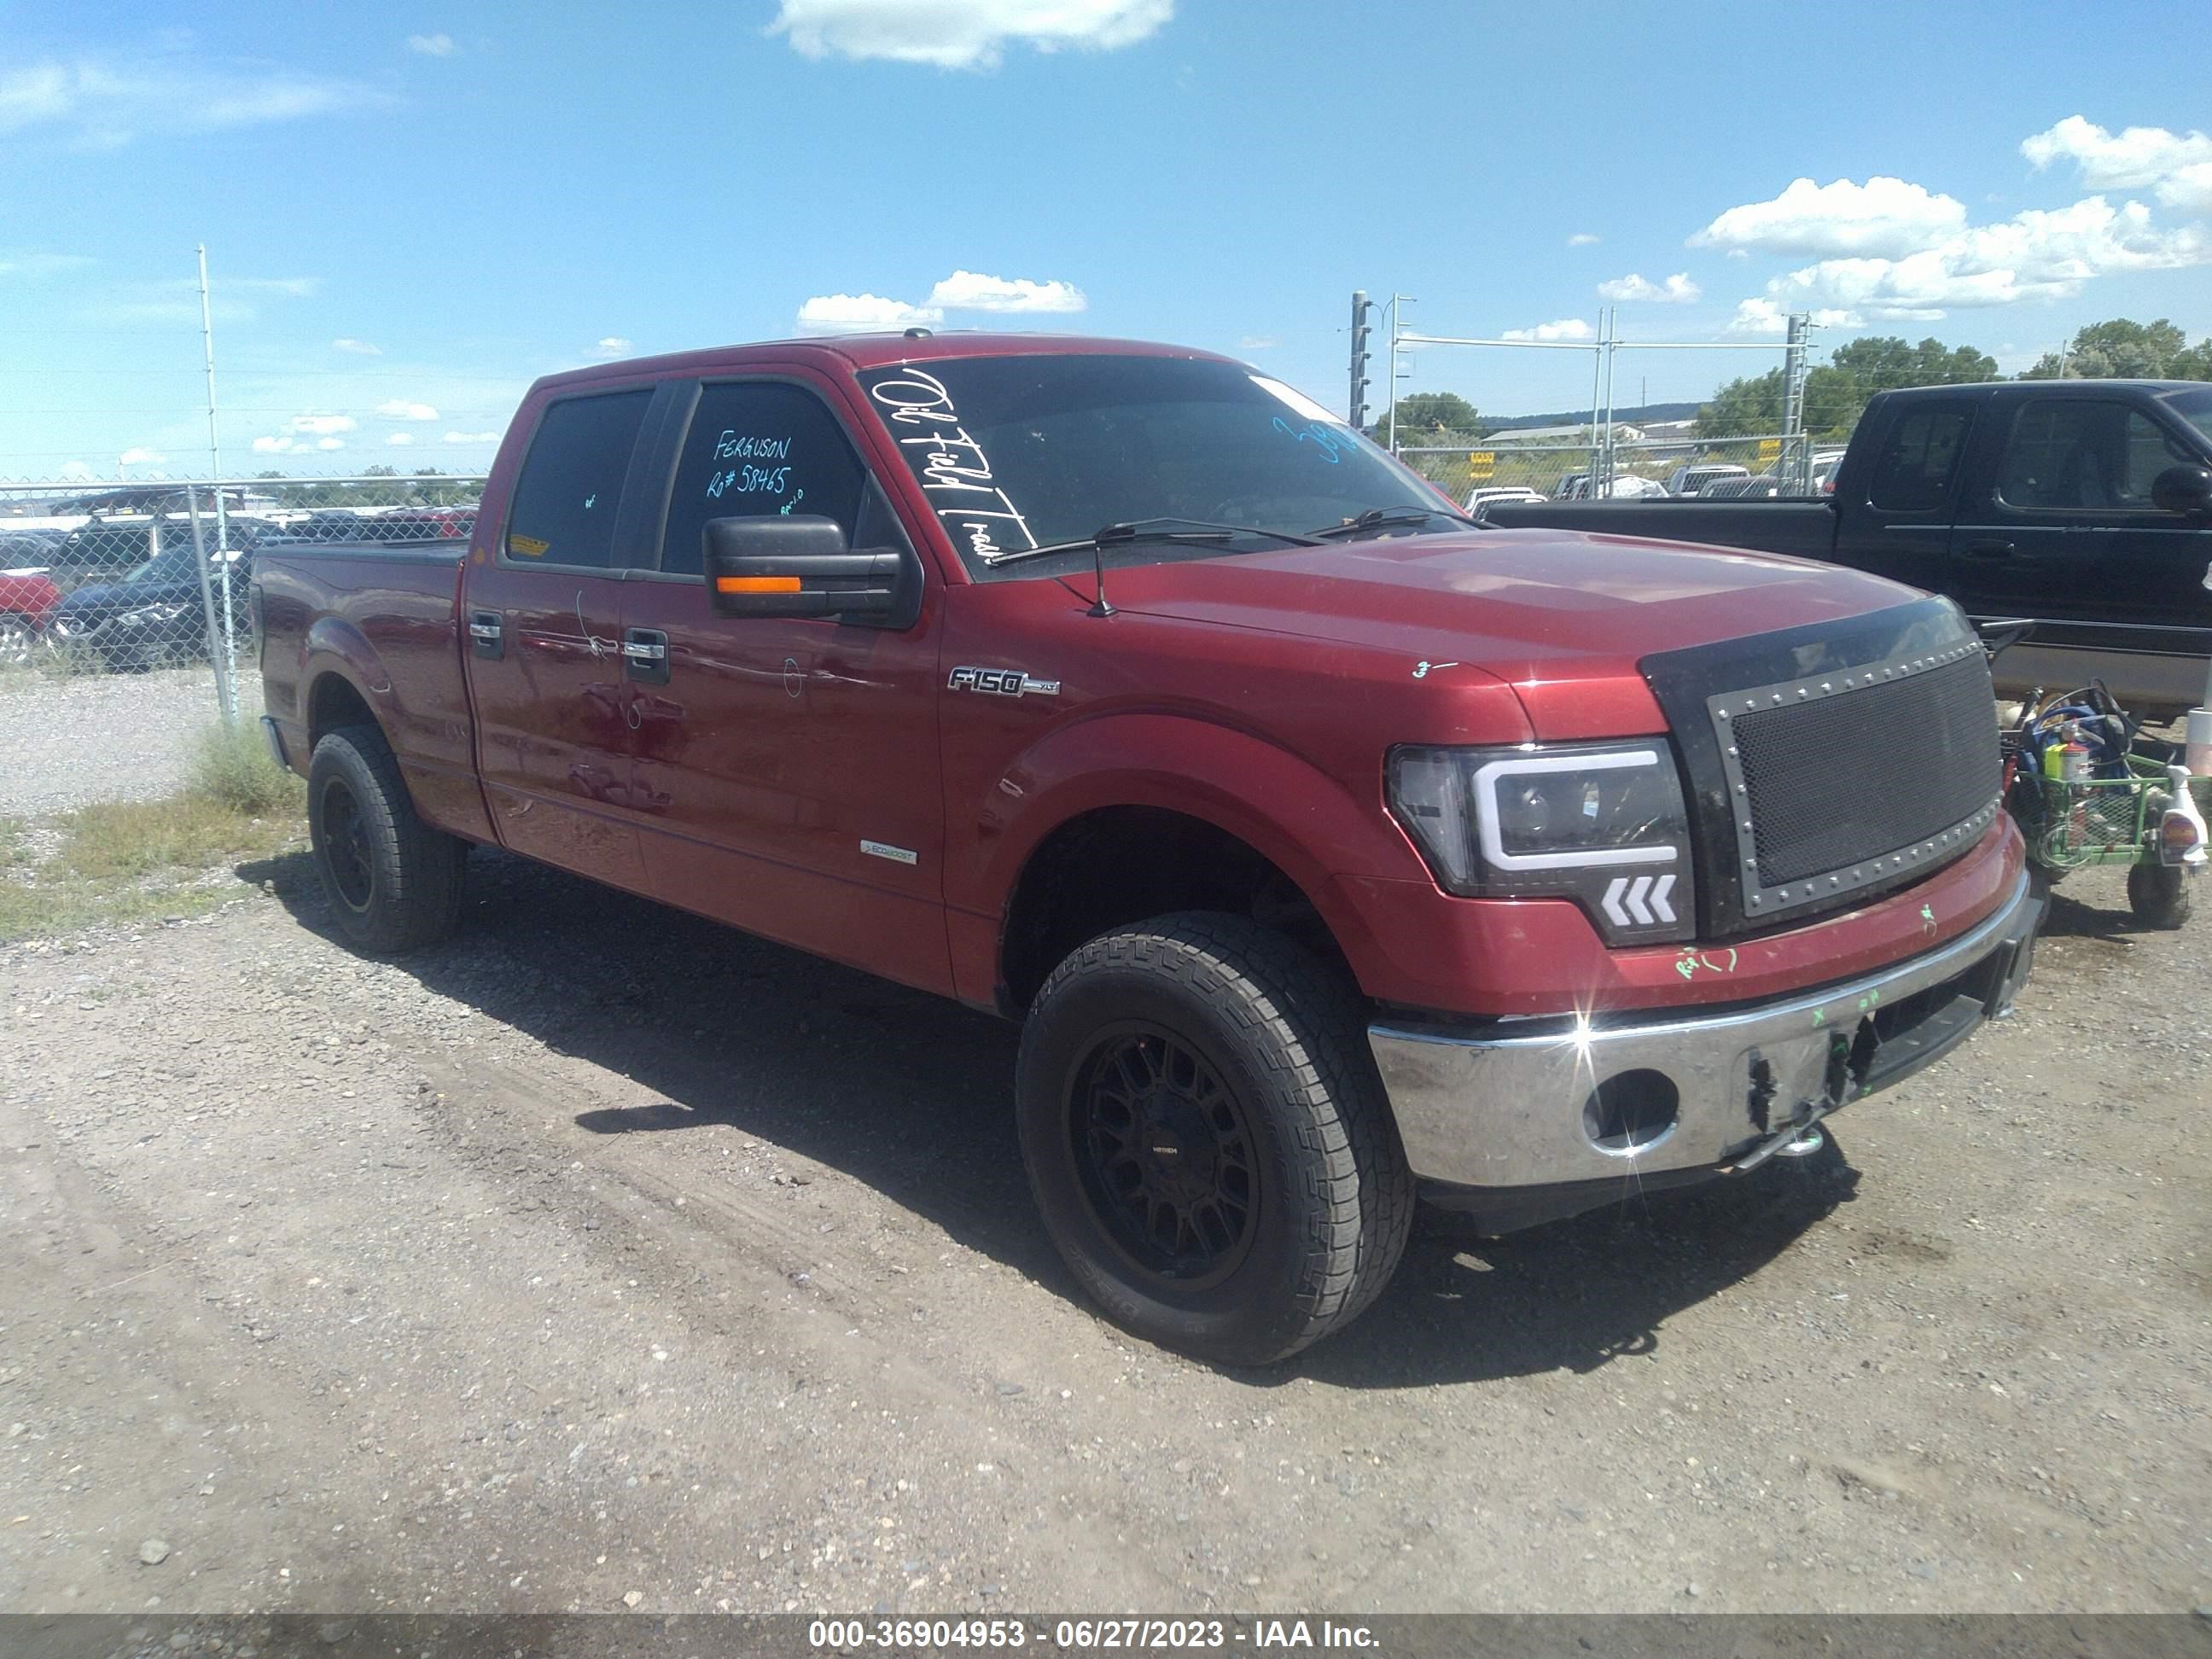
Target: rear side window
{"x": 754, "y": 448}
{"x": 571, "y": 485}
{"x": 1913, "y": 472}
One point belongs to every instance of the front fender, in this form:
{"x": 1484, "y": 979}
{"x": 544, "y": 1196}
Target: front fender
{"x": 1310, "y": 825}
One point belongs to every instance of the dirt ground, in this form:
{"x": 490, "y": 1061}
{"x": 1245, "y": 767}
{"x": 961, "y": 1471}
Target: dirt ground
{"x": 604, "y": 1258}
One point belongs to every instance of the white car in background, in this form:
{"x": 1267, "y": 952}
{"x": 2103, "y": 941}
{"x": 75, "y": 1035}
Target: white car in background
{"x": 1483, "y": 495}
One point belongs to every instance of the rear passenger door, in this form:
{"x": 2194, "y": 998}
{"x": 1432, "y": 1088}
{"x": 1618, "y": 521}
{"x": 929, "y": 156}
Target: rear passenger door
{"x": 1901, "y": 527}
{"x": 543, "y": 615}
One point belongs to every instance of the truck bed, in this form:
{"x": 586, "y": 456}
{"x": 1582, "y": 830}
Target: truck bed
{"x": 391, "y": 614}
{"x": 1806, "y": 529}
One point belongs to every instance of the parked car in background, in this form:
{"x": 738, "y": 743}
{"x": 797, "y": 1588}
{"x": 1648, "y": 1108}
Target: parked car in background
{"x": 156, "y": 615}
{"x": 2083, "y": 505}
{"x": 1691, "y": 479}
{"x": 28, "y": 598}
{"x": 1625, "y": 487}
{"x": 1478, "y": 498}
{"x": 1761, "y": 486}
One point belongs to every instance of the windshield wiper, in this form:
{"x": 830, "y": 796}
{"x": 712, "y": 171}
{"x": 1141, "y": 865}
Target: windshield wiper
{"x": 1382, "y": 518}
{"x": 1194, "y": 532}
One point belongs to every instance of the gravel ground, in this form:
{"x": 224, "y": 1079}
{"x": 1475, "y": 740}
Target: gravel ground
{"x": 69, "y": 740}
{"x": 602, "y": 1258}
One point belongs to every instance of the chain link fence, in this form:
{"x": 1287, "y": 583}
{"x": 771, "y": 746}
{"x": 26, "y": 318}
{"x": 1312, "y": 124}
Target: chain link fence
{"x": 1474, "y": 471}
{"x": 142, "y": 578}
{"x": 125, "y": 626}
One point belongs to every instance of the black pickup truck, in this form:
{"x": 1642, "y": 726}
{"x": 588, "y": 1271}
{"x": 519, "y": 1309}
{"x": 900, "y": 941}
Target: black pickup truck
{"x": 2085, "y": 505}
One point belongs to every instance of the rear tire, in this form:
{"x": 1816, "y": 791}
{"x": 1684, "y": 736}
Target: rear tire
{"x": 1208, "y": 1140}
{"x": 2159, "y": 894}
{"x": 393, "y": 882}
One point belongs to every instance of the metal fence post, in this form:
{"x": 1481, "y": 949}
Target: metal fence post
{"x": 226, "y": 695}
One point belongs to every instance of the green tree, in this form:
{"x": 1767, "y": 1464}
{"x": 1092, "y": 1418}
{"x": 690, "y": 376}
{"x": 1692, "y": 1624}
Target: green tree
{"x": 2123, "y": 349}
{"x": 1429, "y": 416}
{"x": 1837, "y": 390}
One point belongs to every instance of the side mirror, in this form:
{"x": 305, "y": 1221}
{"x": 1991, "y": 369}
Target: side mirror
{"x": 802, "y": 566}
{"x": 2184, "y": 489}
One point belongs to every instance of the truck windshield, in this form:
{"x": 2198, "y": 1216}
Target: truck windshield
{"x": 1032, "y": 450}
{"x": 2194, "y": 406}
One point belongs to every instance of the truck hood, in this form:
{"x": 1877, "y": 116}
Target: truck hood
{"x": 1562, "y": 617}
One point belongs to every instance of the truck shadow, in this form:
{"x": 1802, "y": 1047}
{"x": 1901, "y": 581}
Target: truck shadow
{"x": 911, "y": 1095}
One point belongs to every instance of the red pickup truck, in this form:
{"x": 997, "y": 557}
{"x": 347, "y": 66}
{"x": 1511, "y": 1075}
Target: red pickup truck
{"x": 1332, "y": 848}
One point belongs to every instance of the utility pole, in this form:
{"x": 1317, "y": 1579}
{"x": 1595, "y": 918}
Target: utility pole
{"x": 1797, "y": 456}
{"x": 215, "y": 465}
{"x": 1397, "y": 326}
{"x": 1355, "y": 409}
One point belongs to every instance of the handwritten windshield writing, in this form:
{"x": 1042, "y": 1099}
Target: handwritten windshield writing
{"x": 955, "y": 472}
{"x": 1331, "y": 444}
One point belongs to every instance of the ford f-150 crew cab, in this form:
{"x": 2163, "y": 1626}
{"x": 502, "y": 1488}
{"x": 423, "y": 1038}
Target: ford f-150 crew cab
{"x": 1332, "y": 848}
{"x": 2083, "y": 505}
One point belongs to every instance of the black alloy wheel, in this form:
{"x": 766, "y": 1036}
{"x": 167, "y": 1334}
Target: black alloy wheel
{"x": 1164, "y": 1155}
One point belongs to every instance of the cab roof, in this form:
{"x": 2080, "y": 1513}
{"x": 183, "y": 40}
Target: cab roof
{"x": 845, "y": 353}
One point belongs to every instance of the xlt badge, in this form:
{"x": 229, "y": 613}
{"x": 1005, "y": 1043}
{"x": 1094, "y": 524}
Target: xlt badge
{"x": 1001, "y": 682}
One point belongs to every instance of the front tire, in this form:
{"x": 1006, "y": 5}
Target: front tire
{"x": 2159, "y": 894}
{"x": 1207, "y": 1139}
{"x": 394, "y": 883}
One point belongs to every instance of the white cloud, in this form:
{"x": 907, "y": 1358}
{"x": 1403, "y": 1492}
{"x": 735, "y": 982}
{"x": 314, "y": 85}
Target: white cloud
{"x": 137, "y": 456}
{"x": 432, "y": 46}
{"x": 1258, "y": 343}
{"x": 612, "y": 346}
{"x": 105, "y": 105}
{"x": 1758, "y": 316}
{"x": 471, "y": 438}
{"x": 2127, "y": 161}
{"x": 41, "y": 265}
{"x": 962, "y": 33}
{"x": 400, "y": 409}
{"x": 277, "y": 446}
{"x": 2035, "y": 255}
{"x": 76, "y": 470}
{"x": 392, "y": 440}
{"x": 330, "y": 443}
{"x": 1567, "y": 328}
{"x": 358, "y": 348}
{"x": 970, "y": 291}
{"x": 1883, "y": 217}
{"x": 852, "y": 314}
{"x": 321, "y": 425}
{"x": 1583, "y": 239}
{"x": 2190, "y": 189}
{"x": 1676, "y": 290}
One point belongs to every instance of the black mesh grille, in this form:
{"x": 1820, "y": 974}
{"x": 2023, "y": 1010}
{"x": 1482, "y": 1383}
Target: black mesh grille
{"x": 1838, "y": 780}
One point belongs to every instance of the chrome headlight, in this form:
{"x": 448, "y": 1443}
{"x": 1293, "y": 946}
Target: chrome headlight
{"x": 1602, "y": 823}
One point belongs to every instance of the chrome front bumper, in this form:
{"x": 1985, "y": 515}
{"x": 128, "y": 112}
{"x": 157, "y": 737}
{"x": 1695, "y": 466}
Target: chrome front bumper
{"x": 1515, "y": 1104}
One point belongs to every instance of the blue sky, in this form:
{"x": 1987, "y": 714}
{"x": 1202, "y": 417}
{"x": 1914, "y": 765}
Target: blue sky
{"x": 410, "y": 212}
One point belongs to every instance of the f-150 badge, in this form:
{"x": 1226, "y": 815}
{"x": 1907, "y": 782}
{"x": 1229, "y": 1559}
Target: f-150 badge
{"x": 1001, "y": 682}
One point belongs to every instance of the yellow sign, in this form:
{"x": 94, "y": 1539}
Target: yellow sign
{"x": 1770, "y": 449}
{"x": 1480, "y": 463}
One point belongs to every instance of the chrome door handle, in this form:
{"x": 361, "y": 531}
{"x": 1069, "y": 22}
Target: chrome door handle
{"x": 486, "y": 638}
{"x": 645, "y": 655}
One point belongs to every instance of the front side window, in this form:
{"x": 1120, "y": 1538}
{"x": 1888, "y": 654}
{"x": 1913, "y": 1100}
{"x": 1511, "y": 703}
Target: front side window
{"x": 1913, "y": 472}
{"x": 571, "y": 485}
{"x": 2194, "y": 406}
{"x": 756, "y": 448}
{"x": 2084, "y": 455}
{"x": 1035, "y": 450}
